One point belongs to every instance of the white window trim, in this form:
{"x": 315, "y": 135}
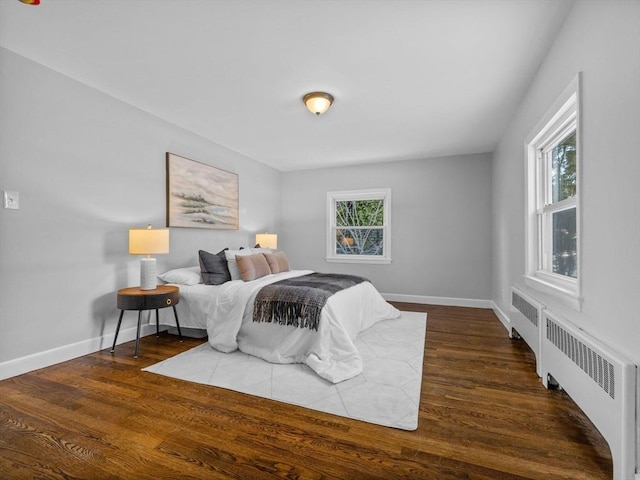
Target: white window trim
{"x": 369, "y": 194}
{"x": 559, "y": 118}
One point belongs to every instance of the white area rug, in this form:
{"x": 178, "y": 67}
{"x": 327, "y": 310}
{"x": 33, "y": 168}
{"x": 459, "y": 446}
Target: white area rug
{"x": 387, "y": 392}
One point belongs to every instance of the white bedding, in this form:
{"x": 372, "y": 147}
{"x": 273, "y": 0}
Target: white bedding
{"x": 226, "y": 312}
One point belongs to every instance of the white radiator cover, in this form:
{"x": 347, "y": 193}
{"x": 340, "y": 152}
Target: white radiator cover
{"x": 600, "y": 382}
{"x": 525, "y": 317}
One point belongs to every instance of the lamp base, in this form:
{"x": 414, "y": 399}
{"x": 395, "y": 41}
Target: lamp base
{"x": 148, "y": 279}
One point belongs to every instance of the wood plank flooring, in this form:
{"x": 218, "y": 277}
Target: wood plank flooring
{"x": 483, "y": 415}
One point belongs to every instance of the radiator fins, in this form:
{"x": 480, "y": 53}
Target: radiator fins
{"x": 525, "y": 308}
{"x": 593, "y": 364}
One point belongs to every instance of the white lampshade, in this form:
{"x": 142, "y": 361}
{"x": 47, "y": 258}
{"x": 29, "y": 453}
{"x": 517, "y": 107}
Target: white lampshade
{"x": 318, "y": 102}
{"x": 267, "y": 240}
{"x": 148, "y": 241}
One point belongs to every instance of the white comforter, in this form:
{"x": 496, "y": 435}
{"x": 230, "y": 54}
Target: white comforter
{"x": 329, "y": 351}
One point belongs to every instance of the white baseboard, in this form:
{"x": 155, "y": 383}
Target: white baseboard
{"x": 502, "y": 317}
{"x": 453, "y": 302}
{"x": 47, "y": 358}
{"x": 39, "y": 360}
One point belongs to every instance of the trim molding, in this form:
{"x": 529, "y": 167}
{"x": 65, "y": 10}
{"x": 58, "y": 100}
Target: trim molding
{"x": 502, "y": 317}
{"x": 453, "y": 302}
{"x": 51, "y": 357}
{"x": 18, "y": 366}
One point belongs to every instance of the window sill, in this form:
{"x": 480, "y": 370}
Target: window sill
{"x": 354, "y": 259}
{"x": 565, "y": 294}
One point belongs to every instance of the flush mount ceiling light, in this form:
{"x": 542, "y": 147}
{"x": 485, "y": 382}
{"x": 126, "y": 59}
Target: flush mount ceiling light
{"x": 318, "y": 102}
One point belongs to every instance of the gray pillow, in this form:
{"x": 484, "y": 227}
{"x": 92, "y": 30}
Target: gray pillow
{"x": 213, "y": 267}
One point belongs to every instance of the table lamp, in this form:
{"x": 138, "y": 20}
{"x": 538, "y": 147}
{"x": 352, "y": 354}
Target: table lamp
{"x": 267, "y": 240}
{"x": 148, "y": 241}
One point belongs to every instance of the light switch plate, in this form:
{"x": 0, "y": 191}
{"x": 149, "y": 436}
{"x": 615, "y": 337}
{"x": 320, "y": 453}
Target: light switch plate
{"x": 11, "y": 200}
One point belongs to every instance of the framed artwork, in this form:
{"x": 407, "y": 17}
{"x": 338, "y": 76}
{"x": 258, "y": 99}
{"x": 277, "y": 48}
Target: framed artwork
{"x": 200, "y": 196}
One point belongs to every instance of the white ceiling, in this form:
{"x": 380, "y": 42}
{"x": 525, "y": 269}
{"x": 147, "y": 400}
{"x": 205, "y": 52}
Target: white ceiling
{"x": 412, "y": 79}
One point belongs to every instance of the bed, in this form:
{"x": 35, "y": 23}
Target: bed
{"x": 225, "y": 311}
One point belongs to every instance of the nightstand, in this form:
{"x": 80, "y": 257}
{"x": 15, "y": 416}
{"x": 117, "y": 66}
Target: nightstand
{"x": 133, "y": 298}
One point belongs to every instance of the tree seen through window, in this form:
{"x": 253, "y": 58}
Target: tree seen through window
{"x": 563, "y": 186}
{"x": 359, "y": 227}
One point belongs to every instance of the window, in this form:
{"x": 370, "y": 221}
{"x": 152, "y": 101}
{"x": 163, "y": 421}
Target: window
{"x": 553, "y": 236}
{"x": 359, "y": 227}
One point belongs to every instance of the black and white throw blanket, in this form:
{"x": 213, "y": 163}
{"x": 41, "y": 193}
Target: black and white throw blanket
{"x": 298, "y": 301}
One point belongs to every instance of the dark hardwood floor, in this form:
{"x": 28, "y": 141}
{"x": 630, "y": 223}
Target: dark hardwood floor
{"x": 484, "y": 415}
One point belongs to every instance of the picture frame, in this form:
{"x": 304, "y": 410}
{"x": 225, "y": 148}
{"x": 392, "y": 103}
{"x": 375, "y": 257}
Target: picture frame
{"x": 200, "y": 195}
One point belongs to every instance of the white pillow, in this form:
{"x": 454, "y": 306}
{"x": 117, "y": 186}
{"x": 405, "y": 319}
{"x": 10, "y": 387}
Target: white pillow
{"x": 231, "y": 261}
{"x": 182, "y": 276}
{"x": 260, "y": 250}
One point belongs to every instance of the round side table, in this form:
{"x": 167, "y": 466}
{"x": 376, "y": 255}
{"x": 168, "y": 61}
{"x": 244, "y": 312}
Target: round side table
{"x": 133, "y": 298}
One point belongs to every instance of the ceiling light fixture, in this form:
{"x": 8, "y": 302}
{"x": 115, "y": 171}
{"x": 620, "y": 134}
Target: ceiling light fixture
{"x": 318, "y": 102}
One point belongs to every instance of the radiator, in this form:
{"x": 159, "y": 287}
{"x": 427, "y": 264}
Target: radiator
{"x": 526, "y": 319}
{"x": 600, "y": 382}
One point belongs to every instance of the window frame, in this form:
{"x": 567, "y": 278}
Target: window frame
{"x": 354, "y": 195}
{"x": 560, "y": 121}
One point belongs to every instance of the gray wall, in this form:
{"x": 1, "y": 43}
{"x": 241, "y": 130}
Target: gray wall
{"x": 441, "y": 223}
{"x": 88, "y": 167}
{"x": 600, "y": 39}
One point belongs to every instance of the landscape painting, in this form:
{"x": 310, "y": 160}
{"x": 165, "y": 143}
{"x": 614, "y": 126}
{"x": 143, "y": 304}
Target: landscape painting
{"x": 200, "y": 196}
